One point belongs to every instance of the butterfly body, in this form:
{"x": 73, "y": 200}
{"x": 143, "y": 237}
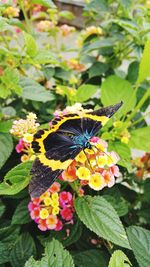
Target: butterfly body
{"x": 58, "y": 146}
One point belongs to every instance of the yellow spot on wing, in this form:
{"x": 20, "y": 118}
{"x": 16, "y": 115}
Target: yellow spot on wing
{"x": 102, "y": 119}
{"x": 54, "y": 164}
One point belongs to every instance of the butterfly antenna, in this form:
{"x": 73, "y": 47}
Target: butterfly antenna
{"x": 103, "y": 152}
{"x": 88, "y": 161}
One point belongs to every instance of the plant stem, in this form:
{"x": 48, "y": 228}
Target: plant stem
{"x": 28, "y": 25}
{"x": 139, "y": 105}
{"x": 140, "y": 119}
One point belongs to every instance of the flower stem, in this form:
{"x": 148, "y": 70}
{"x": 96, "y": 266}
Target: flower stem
{"x": 139, "y": 105}
{"x": 28, "y": 25}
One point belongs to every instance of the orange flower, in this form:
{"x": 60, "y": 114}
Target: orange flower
{"x": 55, "y": 187}
{"x": 51, "y": 222}
{"x": 70, "y": 174}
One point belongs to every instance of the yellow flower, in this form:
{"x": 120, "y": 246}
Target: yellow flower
{"x": 55, "y": 203}
{"x": 11, "y": 11}
{"x": 51, "y": 221}
{"x": 102, "y": 161}
{"x": 81, "y": 157}
{"x": 73, "y": 80}
{"x": 47, "y": 201}
{"x": 100, "y": 146}
{"x": 117, "y": 124}
{"x": 83, "y": 173}
{"x": 89, "y": 151}
{"x": 44, "y": 195}
{"x": 110, "y": 160}
{"x": 31, "y": 116}
{"x": 55, "y": 196}
{"x": 28, "y": 138}
{"x": 24, "y": 158}
{"x": 44, "y": 213}
{"x": 96, "y": 181}
{"x": 55, "y": 210}
{"x": 125, "y": 140}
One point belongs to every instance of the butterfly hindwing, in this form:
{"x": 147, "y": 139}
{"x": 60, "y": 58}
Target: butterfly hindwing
{"x": 49, "y": 165}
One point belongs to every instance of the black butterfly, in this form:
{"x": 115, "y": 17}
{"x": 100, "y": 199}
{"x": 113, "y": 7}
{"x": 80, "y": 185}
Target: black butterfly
{"x": 58, "y": 146}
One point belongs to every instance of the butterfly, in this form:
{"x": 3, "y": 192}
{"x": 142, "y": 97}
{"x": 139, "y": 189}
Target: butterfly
{"x": 59, "y": 146}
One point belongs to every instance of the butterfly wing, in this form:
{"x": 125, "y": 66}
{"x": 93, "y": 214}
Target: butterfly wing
{"x": 58, "y": 146}
{"x": 49, "y": 165}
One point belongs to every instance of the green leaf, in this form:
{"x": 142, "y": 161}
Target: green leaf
{"x": 139, "y": 239}
{"x": 98, "y": 69}
{"x": 33, "y": 263}
{"x": 44, "y": 57}
{"x": 88, "y": 258}
{"x": 16, "y": 179}
{"x": 105, "y": 43}
{"x": 147, "y": 190}
{"x": 23, "y": 249}
{"x": 10, "y": 77}
{"x": 17, "y": 22}
{"x": 75, "y": 234}
{"x": 125, "y": 3}
{"x": 140, "y": 139}
{"x": 6, "y": 145}
{"x": 133, "y": 70}
{"x": 124, "y": 153}
{"x": 46, "y": 3}
{"x": 2, "y": 208}
{"x": 21, "y": 214}
{"x": 97, "y": 6}
{"x": 3, "y": 24}
{"x": 34, "y": 91}
{"x": 4, "y": 252}
{"x": 9, "y": 233}
{"x": 30, "y": 45}
{"x": 144, "y": 70}
{"x": 118, "y": 259}
{"x": 113, "y": 90}
{"x": 66, "y": 14}
{"x": 5, "y": 126}
{"x": 55, "y": 256}
{"x": 85, "y": 92}
{"x": 119, "y": 204}
{"x": 101, "y": 218}
{"x": 4, "y": 92}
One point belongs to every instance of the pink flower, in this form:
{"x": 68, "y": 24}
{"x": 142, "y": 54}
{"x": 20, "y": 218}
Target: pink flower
{"x": 42, "y": 225}
{"x": 65, "y": 198}
{"x": 94, "y": 139}
{"x": 66, "y": 214}
{"x": 115, "y": 170}
{"x": 19, "y": 147}
{"x": 31, "y": 206}
{"x": 35, "y": 213}
{"x": 36, "y": 200}
{"x": 109, "y": 178}
{"x": 59, "y": 225}
{"x": 18, "y": 30}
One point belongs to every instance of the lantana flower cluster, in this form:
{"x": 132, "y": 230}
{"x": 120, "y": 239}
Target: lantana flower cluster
{"x": 95, "y": 167}
{"x": 53, "y": 209}
{"x": 24, "y": 129}
{"x": 142, "y": 165}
